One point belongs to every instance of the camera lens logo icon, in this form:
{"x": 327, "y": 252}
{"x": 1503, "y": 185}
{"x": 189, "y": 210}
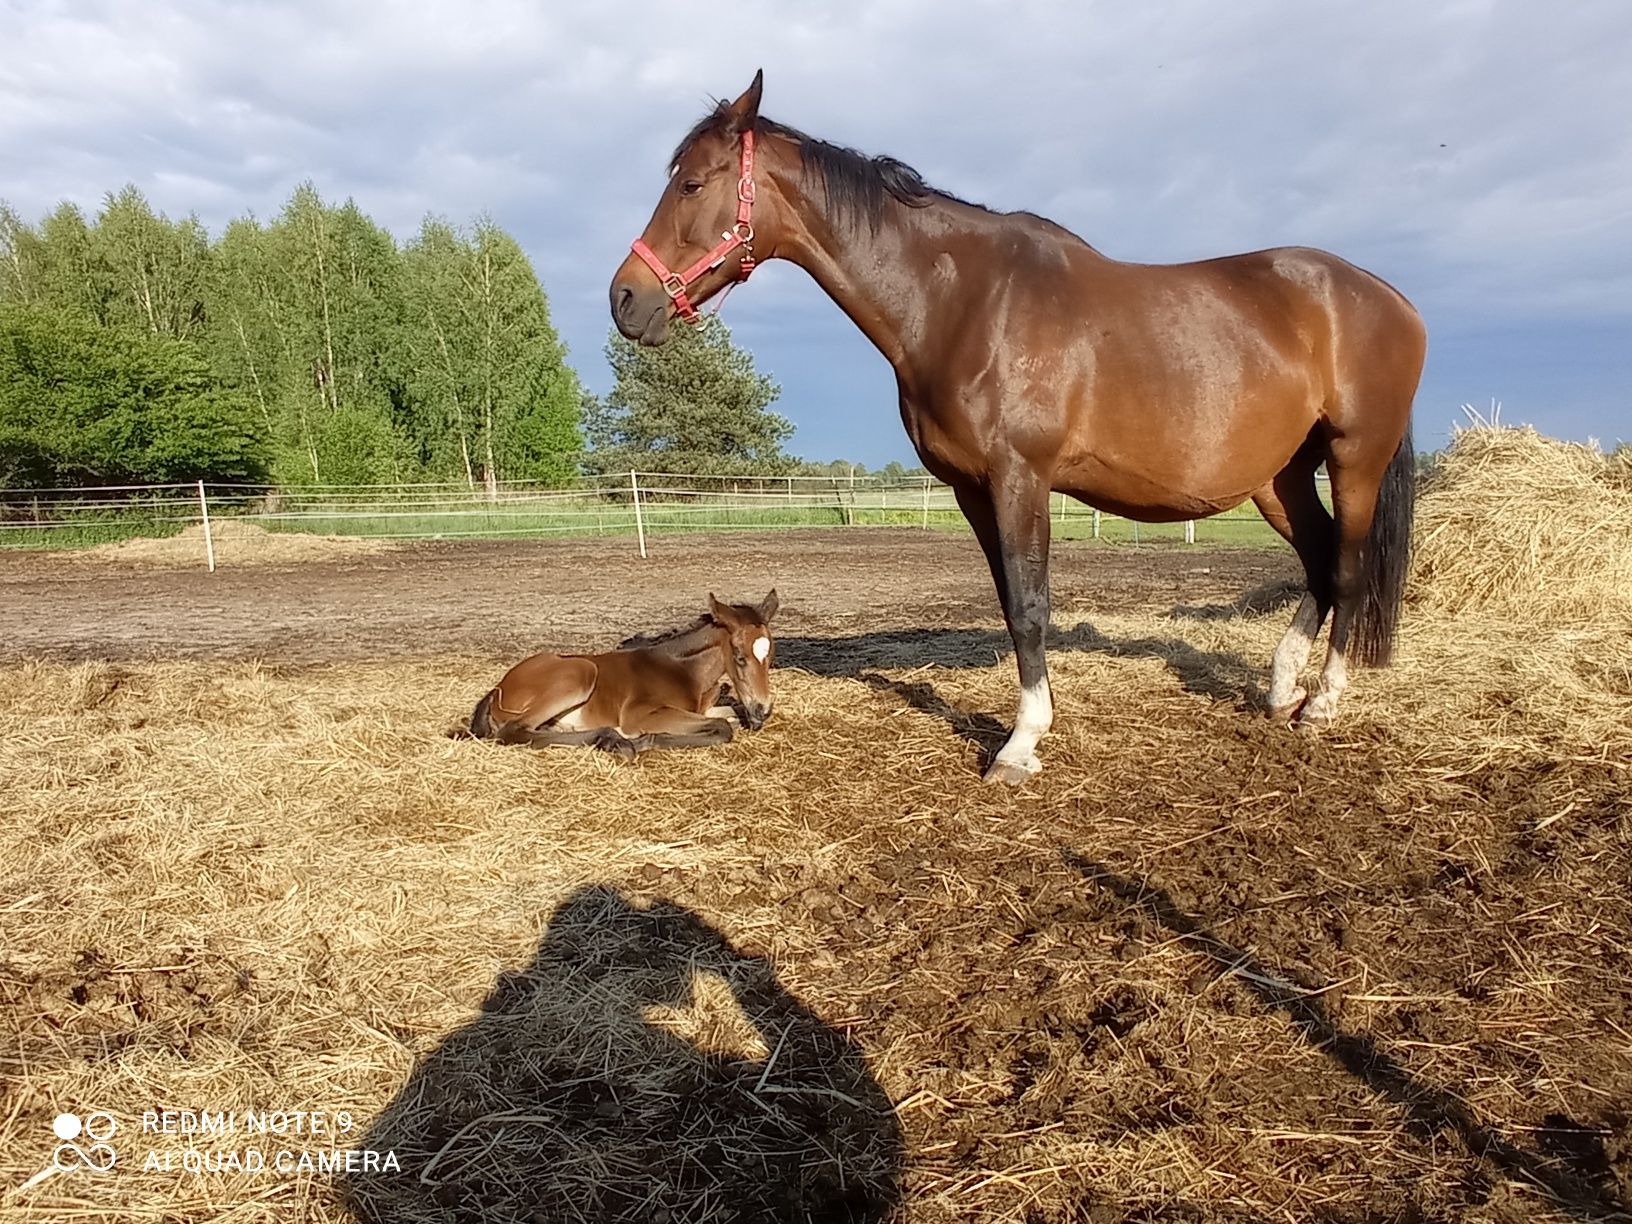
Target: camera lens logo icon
{"x": 84, "y": 1142}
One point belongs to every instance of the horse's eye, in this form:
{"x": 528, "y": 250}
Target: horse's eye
{"x": 742, "y": 659}
{"x": 690, "y": 187}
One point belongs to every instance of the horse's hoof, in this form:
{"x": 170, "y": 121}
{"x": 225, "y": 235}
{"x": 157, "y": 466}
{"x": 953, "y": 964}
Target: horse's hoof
{"x": 1288, "y": 711}
{"x": 1008, "y": 773}
{"x": 619, "y": 746}
{"x": 1315, "y": 716}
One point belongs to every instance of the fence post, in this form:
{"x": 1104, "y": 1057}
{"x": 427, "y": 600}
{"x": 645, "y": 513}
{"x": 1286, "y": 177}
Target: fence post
{"x": 926, "y": 503}
{"x": 640, "y": 527}
{"x": 1189, "y": 531}
{"x": 209, "y": 540}
{"x": 1096, "y": 524}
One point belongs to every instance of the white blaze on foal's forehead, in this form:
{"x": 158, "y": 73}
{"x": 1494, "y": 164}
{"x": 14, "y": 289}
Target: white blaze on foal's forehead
{"x": 762, "y": 647}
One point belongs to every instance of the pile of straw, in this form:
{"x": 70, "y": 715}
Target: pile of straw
{"x": 1523, "y": 526}
{"x": 236, "y": 543}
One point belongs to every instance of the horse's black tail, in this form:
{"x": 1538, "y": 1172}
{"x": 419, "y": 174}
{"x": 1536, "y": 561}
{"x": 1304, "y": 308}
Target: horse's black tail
{"x": 1387, "y": 559}
{"x": 481, "y": 722}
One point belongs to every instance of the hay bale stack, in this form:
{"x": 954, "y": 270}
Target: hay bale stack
{"x": 1525, "y": 526}
{"x": 236, "y": 543}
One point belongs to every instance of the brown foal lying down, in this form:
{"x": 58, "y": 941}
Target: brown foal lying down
{"x": 652, "y": 692}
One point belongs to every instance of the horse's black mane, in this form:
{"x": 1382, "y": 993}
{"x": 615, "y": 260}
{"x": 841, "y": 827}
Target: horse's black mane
{"x": 857, "y": 186}
{"x": 642, "y": 640}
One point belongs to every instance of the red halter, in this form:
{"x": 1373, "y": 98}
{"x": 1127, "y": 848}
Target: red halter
{"x": 741, "y": 234}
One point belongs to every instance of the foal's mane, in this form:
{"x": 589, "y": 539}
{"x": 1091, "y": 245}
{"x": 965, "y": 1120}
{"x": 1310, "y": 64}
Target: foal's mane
{"x": 857, "y": 186}
{"x": 642, "y": 640}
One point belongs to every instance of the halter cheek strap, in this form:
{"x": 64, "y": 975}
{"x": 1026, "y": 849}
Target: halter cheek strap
{"x": 741, "y": 235}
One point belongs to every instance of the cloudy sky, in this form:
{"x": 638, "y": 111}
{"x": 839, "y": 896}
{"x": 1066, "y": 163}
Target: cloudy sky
{"x": 1476, "y": 153}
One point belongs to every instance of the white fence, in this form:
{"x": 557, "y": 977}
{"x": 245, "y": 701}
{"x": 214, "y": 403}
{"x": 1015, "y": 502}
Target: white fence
{"x": 640, "y": 505}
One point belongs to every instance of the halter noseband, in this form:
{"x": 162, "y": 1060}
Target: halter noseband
{"x": 741, "y": 234}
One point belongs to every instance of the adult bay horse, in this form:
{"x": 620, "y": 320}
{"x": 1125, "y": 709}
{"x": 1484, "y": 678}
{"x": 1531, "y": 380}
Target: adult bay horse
{"x": 656, "y": 691}
{"x": 1028, "y": 362}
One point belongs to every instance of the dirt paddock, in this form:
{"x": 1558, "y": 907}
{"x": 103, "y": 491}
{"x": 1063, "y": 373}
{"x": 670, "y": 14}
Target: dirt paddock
{"x": 1204, "y": 969}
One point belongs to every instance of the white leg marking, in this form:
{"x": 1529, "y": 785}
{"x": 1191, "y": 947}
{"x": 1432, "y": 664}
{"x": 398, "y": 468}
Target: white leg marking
{"x": 1292, "y": 655}
{"x": 1035, "y": 717}
{"x": 1322, "y": 708}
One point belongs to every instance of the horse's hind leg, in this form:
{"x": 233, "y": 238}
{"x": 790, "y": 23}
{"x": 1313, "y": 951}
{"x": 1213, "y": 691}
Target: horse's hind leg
{"x": 532, "y": 695}
{"x": 1292, "y": 505}
{"x": 1372, "y": 494}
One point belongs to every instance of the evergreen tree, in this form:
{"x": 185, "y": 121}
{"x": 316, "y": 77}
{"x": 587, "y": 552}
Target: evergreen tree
{"x": 695, "y": 405}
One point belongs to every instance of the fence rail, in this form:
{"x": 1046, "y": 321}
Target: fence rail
{"x": 642, "y": 505}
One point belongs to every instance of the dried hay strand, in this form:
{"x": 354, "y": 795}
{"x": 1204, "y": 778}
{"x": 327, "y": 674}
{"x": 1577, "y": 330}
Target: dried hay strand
{"x": 1516, "y": 524}
{"x": 234, "y": 886}
{"x": 236, "y": 543}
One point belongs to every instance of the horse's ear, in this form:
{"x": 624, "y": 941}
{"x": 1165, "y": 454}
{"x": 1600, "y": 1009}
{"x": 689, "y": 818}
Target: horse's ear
{"x": 768, "y": 607}
{"x": 716, "y": 609}
{"x": 745, "y": 109}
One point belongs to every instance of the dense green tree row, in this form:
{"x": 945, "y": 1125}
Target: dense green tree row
{"x": 308, "y": 350}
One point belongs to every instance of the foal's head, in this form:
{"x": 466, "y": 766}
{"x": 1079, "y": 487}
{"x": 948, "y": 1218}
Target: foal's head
{"x": 749, "y": 654}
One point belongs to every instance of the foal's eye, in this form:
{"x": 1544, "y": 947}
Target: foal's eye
{"x": 690, "y": 187}
{"x": 742, "y": 659}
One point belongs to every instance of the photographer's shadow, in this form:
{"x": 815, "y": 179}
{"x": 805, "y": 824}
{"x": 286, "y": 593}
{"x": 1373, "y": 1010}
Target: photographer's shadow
{"x": 639, "y": 1069}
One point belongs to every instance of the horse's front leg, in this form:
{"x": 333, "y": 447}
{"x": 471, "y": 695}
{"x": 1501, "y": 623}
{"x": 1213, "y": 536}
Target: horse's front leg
{"x": 668, "y": 727}
{"x": 607, "y": 739}
{"x": 725, "y": 706}
{"x": 1010, "y": 519}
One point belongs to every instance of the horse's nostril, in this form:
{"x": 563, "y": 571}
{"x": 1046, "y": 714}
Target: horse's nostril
{"x": 625, "y": 296}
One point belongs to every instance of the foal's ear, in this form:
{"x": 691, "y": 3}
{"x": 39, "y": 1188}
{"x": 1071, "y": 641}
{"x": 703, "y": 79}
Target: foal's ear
{"x": 717, "y": 610}
{"x": 768, "y": 607}
{"x": 745, "y": 109}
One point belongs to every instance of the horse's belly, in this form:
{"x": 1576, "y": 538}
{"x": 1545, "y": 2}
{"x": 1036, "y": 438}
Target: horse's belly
{"x": 1132, "y": 491}
{"x": 576, "y": 719}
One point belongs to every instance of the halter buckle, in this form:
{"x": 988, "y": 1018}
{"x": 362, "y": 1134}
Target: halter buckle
{"x": 673, "y": 285}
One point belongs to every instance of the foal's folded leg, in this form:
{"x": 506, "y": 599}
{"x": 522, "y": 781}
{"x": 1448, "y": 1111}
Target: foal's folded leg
{"x": 550, "y": 737}
{"x": 668, "y": 727}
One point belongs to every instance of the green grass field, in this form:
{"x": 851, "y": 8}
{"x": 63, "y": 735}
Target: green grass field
{"x": 596, "y": 516}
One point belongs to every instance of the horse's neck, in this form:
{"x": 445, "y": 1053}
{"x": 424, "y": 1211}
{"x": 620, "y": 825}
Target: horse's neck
{"x": 869, "y": 274}
{"x": 699, "y": 651}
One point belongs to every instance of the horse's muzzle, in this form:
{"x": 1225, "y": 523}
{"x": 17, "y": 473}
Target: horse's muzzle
{"x": 754, "y": 716}
{"x": 640, "y": 311}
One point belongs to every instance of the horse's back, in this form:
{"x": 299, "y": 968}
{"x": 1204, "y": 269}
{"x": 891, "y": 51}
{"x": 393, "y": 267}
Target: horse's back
{"x": 1167, "y": 391}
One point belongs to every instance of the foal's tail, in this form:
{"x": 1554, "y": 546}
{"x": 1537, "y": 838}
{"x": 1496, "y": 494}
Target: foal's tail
{"x": 481, "y": 722}
{"x": 1386, "y": 559}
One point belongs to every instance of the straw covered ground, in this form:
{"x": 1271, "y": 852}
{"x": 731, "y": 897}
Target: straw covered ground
{"x": 235, "y": 543}
{"x": 1204, "y": 969}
